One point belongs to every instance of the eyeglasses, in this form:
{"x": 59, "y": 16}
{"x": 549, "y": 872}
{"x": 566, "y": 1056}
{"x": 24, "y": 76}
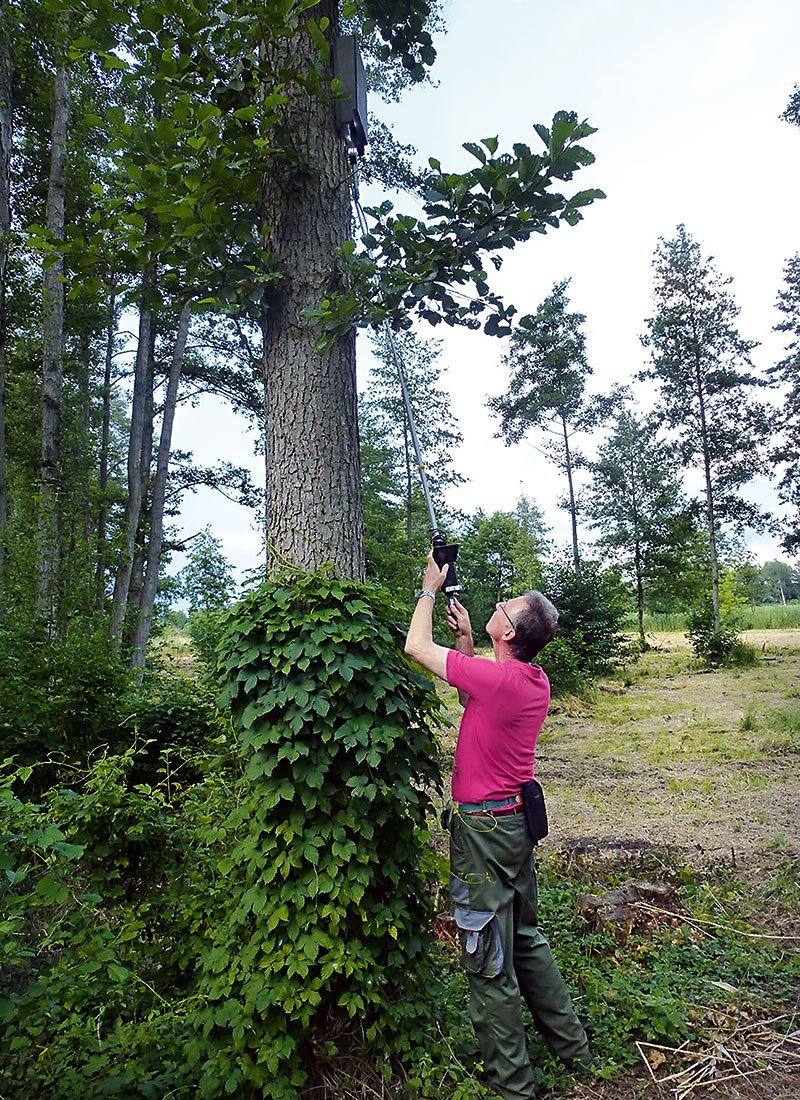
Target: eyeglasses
{"x": 502, "y": 607}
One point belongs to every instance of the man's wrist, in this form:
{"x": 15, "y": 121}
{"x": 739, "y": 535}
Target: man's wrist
{"x": 425, "y": 592}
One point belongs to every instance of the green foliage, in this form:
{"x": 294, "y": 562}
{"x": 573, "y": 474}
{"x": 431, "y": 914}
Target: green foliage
{"x": 108, "y": 889}
{"x": 722, "y": 648}
{"x": 591, "y": 609}
{"x": 547, "y": 388}
{"x": 658, "y": 985}
{"x": 206, "y": 581}
{"x": 637, "y": 503}
{"x": 324, "y": 931}
{"x": 243, "y": 933}
{"x": 471, "y": 217}
{"x": 56, "y": 695}
{"x": 397, "y": 528}
{"x": 786, "y": 373}
{"x": 500, "y": 557}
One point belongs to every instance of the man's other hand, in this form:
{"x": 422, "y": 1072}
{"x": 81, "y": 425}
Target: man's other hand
{"x": 458, "y": 620}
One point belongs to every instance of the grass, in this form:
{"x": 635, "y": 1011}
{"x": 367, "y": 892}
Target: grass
{"x": 695, "y": 775}
{"x": 760, "y": 617}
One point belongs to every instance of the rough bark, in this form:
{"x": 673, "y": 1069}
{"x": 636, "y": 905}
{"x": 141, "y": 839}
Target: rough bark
{"x": 313, "y": 464}
{"x": 133, "y": 504}
{"x": 102, "y": 511}
{"x": 52, "y": 355}
{"x": 6, "y": 139}
{"x": 145, "y": 618}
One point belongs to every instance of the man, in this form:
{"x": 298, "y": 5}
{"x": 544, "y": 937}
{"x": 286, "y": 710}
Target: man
{"x": 492, "y": 878}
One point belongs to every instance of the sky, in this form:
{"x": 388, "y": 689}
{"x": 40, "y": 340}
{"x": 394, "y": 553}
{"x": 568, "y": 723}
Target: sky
{"x": 686, "y": 97}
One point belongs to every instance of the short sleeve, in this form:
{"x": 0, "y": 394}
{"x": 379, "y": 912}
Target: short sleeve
{"x": 479, "y": 677}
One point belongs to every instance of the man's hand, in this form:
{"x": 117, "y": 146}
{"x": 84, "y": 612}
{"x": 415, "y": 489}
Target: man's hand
{"x": 458, "y": 620}
{"x": 419, "y": 640}
{"x": 435, "y": 575}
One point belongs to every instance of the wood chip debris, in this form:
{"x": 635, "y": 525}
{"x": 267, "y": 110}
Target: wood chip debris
{"x": 745, "y": 1051}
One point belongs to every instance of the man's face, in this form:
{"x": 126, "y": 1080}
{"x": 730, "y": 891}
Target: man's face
{"x": 505, "y": 614}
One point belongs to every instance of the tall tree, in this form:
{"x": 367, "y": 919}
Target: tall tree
{"x": 6, "y": 139}
{"x": 53, "y": 339}
{"x": 500, "y": 556}
{"x": 786, "y": 373}
{"x": 635, "y": 499}
{"x": 436, "y": 428}
{"x": 547, "y": 391}
{"x": 701, "y": 367}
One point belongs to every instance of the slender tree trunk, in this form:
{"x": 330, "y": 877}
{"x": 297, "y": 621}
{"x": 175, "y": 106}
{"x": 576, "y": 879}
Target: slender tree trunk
{"x": 52, "y": 358}
{"x": 573, "y": 512}
{"x": 85, "y": 428}
{"x": 143, "y": 533}
{"x": 6, "y": 140}
{"x": 709, "y": 487}
{"x": 133, "y": 505}
{"x": 102, "y": 511}
{"x": 143, "y": 623}
{"x": 264, "y": 326}
{"x": 637, "y": 548}
{"x": 315, "y": 512}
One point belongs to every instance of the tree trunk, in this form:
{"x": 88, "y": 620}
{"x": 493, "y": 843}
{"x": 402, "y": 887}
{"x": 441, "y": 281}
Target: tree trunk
{"x": 133, "y": 505}
{"x": 52, "y": 358}
{"x": 6, "y": 140}
{"x": 142, "y": 632}
{"x": 315, "y": 512}
{"x": 576, "y": 562}
{"x": 143, "y": 532}
{"x": 710, "y": 518}
{"x": 637, "y": 549}
{"x": 102, "y": 512}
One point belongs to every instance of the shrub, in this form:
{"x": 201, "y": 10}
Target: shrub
{"x": 57, "y": 696}
{"x": 106, "y": 893}
{"x": 591, "y": 609}
{"x": 326, "y": 929}
{"x": 721, "y": 648}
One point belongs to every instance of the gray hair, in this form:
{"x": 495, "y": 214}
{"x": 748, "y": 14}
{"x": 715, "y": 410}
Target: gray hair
{"x": 534, "y": 627}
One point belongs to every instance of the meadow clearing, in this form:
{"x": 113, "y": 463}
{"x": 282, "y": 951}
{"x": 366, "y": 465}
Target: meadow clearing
{"x": 687, "y": 779}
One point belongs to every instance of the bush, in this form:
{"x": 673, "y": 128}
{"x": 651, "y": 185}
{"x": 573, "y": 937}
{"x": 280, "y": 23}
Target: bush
{"x": 326, "y": 928}
{"x": 57, "y": 696}
{"x": 721, "y": 648}
{"x": 591, "y": 610}
{"x": 241, "y": 935}
{"x": 106, "y": 892}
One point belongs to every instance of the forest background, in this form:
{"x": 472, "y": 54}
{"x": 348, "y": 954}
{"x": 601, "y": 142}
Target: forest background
{"x": 161, "y": 169}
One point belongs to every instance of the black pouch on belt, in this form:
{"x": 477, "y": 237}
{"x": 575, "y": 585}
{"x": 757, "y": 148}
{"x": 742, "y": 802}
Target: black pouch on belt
{"x": 535, "y": 810}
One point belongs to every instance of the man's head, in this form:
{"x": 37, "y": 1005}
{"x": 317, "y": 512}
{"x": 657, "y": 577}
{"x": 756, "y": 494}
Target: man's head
{"x": 526, "y": 624}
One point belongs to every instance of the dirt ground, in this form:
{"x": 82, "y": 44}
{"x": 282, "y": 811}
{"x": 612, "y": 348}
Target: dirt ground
{"x": 704, "y": 763}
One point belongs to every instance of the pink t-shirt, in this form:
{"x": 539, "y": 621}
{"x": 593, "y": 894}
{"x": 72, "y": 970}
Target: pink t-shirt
{"x": 507, "y": 705}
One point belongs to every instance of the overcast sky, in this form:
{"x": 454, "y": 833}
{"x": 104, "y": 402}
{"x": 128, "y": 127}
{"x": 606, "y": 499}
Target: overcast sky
{"x": 686, "y": 97}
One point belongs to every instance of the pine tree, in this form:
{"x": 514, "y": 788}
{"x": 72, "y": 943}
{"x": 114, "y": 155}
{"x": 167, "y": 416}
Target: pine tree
{"x": 701, "y": 367}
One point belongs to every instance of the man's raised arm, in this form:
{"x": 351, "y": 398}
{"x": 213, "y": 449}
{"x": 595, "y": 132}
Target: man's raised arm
{"x": 419, "y": 640}
{"x": 458, "y": 620}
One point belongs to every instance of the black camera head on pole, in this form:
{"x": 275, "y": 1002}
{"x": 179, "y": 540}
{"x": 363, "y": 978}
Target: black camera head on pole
{"x": 445, "y": 553}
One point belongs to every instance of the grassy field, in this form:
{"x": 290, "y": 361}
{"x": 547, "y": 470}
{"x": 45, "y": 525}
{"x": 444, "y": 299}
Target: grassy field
{"x": 690, "y": 780}
{"x": 762, "y": 617}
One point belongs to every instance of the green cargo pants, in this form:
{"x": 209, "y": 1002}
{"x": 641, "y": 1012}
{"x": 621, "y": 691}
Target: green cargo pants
{"x": 493, "y": 887}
